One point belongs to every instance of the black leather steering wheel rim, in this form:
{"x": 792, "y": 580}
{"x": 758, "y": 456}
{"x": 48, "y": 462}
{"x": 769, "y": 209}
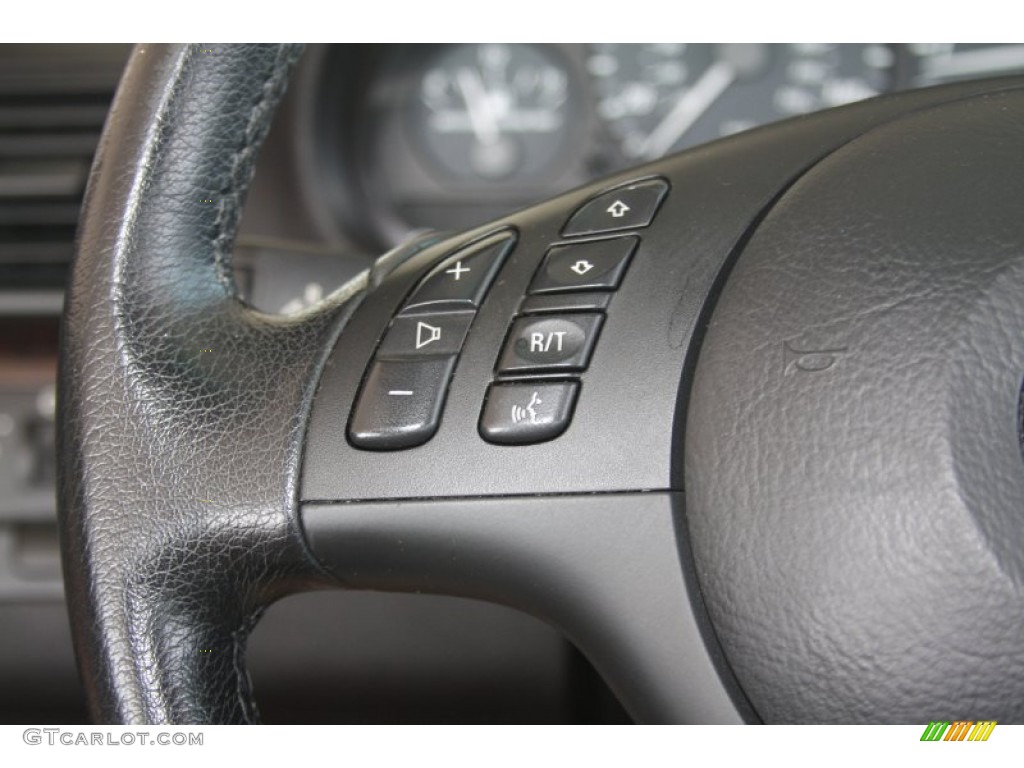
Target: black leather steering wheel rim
{"x": 180, "y": 468}
{"x": 152, "y": 504}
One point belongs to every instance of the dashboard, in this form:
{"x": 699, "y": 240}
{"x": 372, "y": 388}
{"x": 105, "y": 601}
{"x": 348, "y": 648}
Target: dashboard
{"x": 450, "y": 136}
{"x": 372, "y": 144}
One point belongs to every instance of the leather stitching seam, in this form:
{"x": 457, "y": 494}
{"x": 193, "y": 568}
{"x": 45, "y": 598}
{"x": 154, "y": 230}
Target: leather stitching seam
{"x": 241, "y": 166}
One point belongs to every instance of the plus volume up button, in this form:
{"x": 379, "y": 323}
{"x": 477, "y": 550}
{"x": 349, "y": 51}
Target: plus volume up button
{"x": 463, "y": 278}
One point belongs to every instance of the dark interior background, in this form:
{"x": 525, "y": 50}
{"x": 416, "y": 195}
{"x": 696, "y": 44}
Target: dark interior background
{"x": 347, "y": 172}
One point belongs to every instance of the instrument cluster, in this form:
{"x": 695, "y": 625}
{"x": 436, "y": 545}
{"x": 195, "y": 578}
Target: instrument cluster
{"x": 449, "y": 136}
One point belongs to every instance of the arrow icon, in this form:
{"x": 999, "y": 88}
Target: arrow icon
{"x": 618, "y": 209}
{"x": 581, "y": 267}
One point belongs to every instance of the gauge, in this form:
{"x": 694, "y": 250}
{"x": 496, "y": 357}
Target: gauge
{"x": 934, "y": 63}
{"x": 659, "y": 98}
{"x": 493, "y": 112}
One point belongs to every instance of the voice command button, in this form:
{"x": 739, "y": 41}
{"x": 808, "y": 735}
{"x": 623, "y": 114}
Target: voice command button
{"x": 527, "y": 412}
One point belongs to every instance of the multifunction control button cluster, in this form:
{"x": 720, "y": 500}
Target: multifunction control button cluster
{"x": 548, "y": 346}
{"x": 551, "y": 340}
{"x": 402, "y": 397}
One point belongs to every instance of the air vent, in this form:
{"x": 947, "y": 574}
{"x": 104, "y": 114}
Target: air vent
{"x": 53, "y": 101}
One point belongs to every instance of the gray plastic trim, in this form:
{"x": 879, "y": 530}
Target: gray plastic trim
{"x": 604, "y": 569}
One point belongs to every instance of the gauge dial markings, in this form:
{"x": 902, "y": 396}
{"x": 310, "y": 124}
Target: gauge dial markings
{"x": 492, "y": 111}
{"x": 656, "y": 99}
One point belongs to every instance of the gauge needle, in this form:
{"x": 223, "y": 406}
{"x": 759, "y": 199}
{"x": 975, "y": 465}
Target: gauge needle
{"x": 691, "y": 105}
{"x": 482, "y": 117}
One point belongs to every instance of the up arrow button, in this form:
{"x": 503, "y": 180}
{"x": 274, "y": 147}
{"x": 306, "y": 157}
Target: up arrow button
{"x": 618, "y": 209}
{"x": 630, "y": 206}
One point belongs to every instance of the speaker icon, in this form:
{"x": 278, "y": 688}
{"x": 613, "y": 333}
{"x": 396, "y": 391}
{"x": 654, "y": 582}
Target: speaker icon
{"x": 529, "y": 413}
{"x": 426, "y": 334}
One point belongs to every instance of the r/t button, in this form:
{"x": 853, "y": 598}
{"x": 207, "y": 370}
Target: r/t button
{"x": 551, "y": 342}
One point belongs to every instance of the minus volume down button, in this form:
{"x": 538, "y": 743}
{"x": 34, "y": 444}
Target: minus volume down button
{"x": 400, "y": 404}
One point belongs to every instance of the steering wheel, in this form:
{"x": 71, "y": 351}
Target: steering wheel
{"x": 744, "y": 423}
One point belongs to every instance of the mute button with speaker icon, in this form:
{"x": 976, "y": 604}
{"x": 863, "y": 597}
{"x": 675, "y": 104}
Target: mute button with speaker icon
{"x": 420, "y": 335}
{"x": 517, "y": 413}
